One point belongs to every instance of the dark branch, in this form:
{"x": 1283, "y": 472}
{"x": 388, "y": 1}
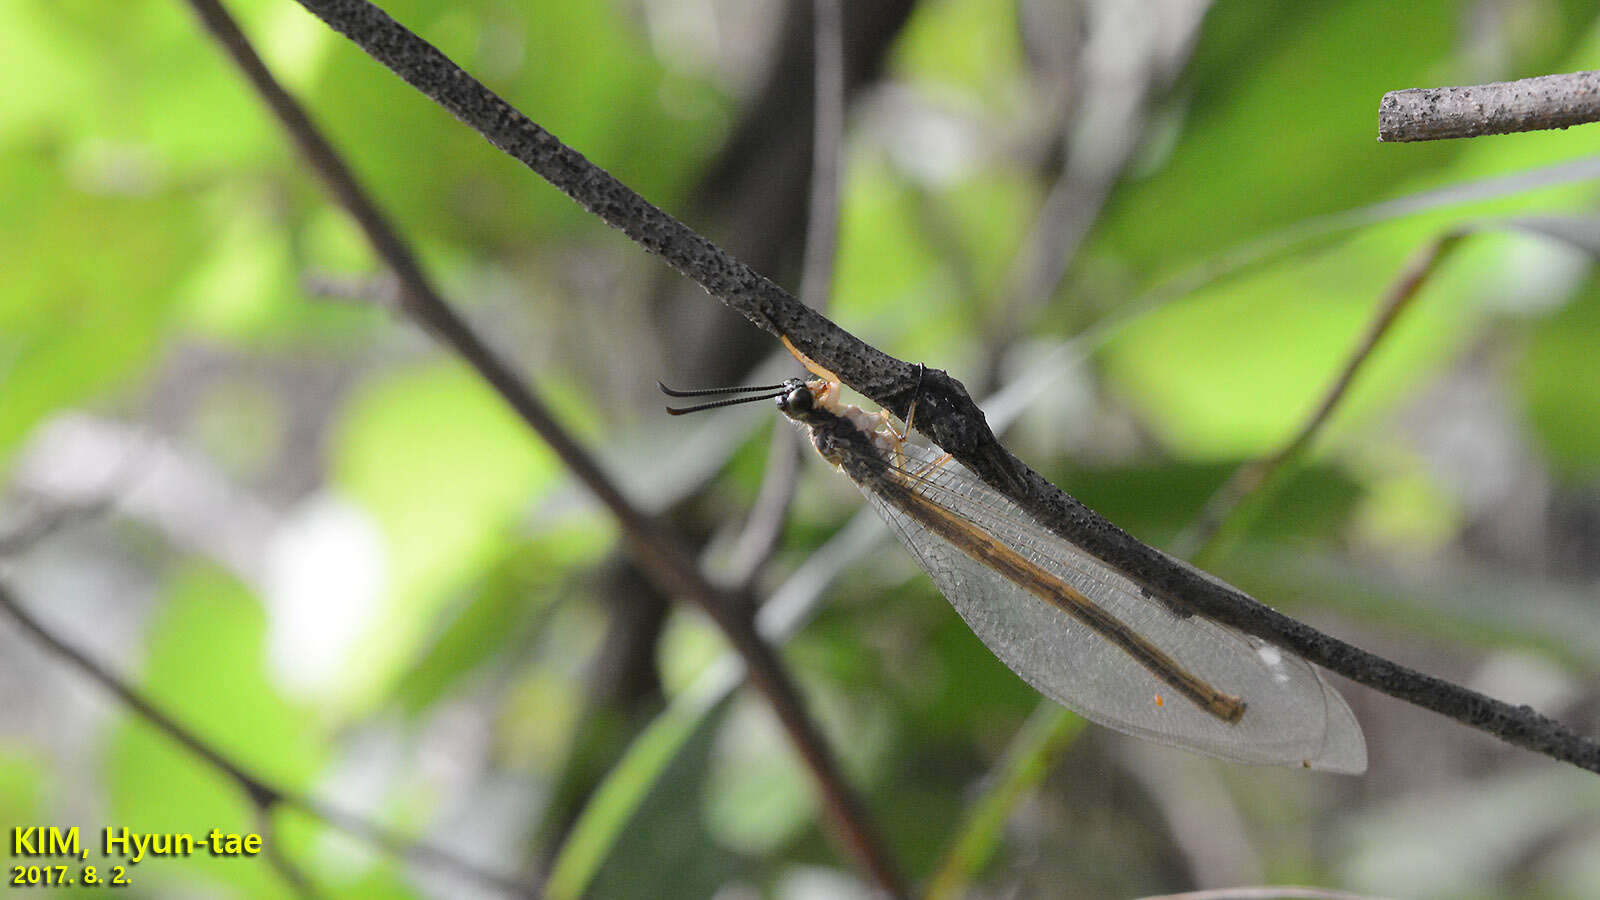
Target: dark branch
{"x": 945, "y": 412}
{"x": 291, "y": 873}
{"x": 660, "y": 553}
{"x": 948, "y": 415}
{"x": 757, "y": 298}
{"x": 1504, "y": 107}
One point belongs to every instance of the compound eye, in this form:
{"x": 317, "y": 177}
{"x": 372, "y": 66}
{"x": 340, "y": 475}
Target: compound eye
{"x": 798, "y": 400}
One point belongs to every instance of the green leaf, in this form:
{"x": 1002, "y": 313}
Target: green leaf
{"x": 883, "y": 260}
{"x": 444, "y": 467}
{"x": 1271, "y": 136}
{"x": 164, "y": 102}
{"x": 1559, "y": 382}
{"x": 88, "y": 290}
{"x": 662, "y": 770}
{"x": 970, "y": 45}
{"x": 1214, "y": 389}
{"x": 561, "y": 63}
{"x": 496, "y": 610}
{"x": 758, "y": 797}
{"x": 1029, "y": 758}
{"x": 206, "y": 667}
{"x": 23, "y": 780}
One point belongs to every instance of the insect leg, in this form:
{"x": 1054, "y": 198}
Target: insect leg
{"x": 810, "y": 364}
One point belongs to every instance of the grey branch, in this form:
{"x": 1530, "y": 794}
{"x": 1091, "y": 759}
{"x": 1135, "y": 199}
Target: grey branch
{"x": 1504, "y": 107}
{"x": 945, "y": 412}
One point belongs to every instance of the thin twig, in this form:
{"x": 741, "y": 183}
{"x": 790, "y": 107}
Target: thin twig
{"x": 398, "y": 845}
{"x": 365, "y": 290}
{"x": 263, "y": 796}
{"x": 765, "y": 523}
{"x": 286, "y": 868}
{"x": 658, "y": 551}
{"x": 1265, "y": 893}
{"x": 51, "y": 519}
{"x": 52, "y": 516}
{"x": 827, "y": 150}
{"x": 1103, "y": 122}
{"x": 945, "y": 412}
{"x": 1207, "y": 539}
{"x": 1504, "y": 107}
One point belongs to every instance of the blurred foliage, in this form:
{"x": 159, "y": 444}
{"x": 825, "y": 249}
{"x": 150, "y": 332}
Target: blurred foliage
{"x": 1556, "y": 364}
{"x": 441, "y": 523}
{"x": 158, "y": 241}
{"x": 206, "y": 659}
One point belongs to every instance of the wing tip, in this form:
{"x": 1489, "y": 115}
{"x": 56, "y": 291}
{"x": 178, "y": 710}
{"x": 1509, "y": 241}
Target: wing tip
{"x": 1344, "y": 747}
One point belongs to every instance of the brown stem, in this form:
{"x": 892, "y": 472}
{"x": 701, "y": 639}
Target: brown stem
{"x": 285, "y": 867}
{"x": 658, "y": 550}
{"x": 1198, "y": 542}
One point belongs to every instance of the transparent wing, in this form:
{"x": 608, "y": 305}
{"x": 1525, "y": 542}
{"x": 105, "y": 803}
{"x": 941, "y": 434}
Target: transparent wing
{"x": 1292, "y": 716}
